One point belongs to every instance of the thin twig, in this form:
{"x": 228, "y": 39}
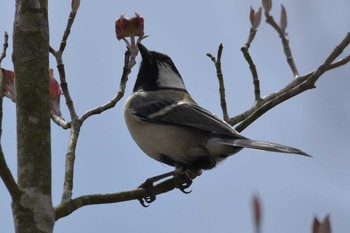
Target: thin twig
{"x": 251, "y": 37}
{"x": 340, "y": 62}
{"x": 75, "y": 121}
{"x": 75, "y": 129}
{"x": 60, "y": 122}
{"x": 5, "y": 46}
{"x": 63, "y": 83}
{"x": 220, "y": 76}
{"x": 5, "y": 172}
{"x": 120, "y": 94}
{"x": 285, "y": 41}
{"x": 70, "y": 159}
{"x": 67, "y": 31}
{"x": 252, "y": 67}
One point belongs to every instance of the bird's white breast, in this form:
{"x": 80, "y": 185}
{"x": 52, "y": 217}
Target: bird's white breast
{"x": 177, "y": 143}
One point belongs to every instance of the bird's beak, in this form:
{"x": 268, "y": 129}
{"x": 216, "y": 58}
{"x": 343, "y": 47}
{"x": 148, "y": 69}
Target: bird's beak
{"x": 145, "y": 54}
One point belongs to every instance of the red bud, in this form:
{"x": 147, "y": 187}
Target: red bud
{"x": 55, "y": 94}
{"x": 257, "y": 212}
{"x": 321, "y": 227}
{"x": 129, "y": 27}
{"x": 9, "y": 84}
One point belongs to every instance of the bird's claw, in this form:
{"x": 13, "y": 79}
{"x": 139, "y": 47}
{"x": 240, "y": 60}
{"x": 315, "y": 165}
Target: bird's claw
{"x": 186, "y": 185}
{"x": 148, "y": 186}
{"x": 143, "y": 200}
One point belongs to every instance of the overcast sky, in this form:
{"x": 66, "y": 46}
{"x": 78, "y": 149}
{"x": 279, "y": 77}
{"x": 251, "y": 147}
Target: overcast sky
{"x": 293, "y": 189}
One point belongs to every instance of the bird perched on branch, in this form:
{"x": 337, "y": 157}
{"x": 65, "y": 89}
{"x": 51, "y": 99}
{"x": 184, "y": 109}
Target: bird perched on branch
{"x": 168, "y": 125}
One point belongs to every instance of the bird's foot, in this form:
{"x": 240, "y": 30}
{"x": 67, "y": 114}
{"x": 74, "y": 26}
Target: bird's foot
{"x": 148, "y": 186}
{"x": 186, "y": 175}
{"x": 186, "y": 184}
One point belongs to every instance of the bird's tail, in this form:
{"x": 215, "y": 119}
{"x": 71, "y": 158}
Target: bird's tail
{"x": 268, "y": 146}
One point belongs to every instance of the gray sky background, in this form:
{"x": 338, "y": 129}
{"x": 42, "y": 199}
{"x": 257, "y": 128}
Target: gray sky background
{"x": 292, "y": 189}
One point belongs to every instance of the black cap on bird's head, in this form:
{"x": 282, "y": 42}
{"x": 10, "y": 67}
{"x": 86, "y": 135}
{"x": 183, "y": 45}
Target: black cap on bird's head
{"x": 157, "y": 72}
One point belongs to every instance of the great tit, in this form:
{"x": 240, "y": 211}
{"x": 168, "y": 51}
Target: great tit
{"x": 169, "y": 126}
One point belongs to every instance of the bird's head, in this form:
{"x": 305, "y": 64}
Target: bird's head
{"x": 157, "y": 72}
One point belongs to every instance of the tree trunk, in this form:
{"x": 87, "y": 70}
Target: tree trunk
{"x": 33, "y": 211}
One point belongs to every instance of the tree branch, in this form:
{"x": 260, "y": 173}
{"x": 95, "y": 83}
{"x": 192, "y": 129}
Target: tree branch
{"x": 75, "y": 127}
{"x": 285, "y": 42}
{"x": 252, "y": 67}
{"x": 5, "y": 172}
{"x": 220, "y": 76}
{"x": 68, "y": 207}
{"x": 60, "y": 122}
{"x": 67, "y": 31}
{"x": 77, "y": 121}
{"x": 339, "y": 63}
{"x": 120, "y": 94}
{"x": 296, "y": 87}
{"x": 64, "y": 84}
{"x": 5, "y": 46}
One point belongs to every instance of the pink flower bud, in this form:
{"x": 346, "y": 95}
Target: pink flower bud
{"x": 255, "y": 18}
{"x": 257, "y": 212}
{"x": 283, "y": 20}
{"x": 129, "y": 27}
{"x": 9, "y": 84}
{"x": 267, "y": 4}
{"x": 75, "y": 5}
{"x": 321, "y": 227}
{"x": 55, "y": 94}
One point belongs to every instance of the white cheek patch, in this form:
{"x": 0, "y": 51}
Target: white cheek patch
{"x": 167, "y": 78}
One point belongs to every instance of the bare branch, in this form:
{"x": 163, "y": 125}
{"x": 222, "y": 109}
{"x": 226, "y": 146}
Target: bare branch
{"x": 77, "y": 122}
{"x": 63, "y": 82}
{"x": 75, "y": 128}
{"x": 5, "y": 172}
{"x": 336, "y": 52}
{"x": 255, "y": 18}
{"x": 68, "y": 207}
{"x": 251, "y": 37}
{"x": 252, "y": 67}
{"x": 5, "y": 45}
{"x": 120, "y": 94}
{"x": 60, "y": 122}
{"x": 338, "y": 63}
{"x": 67, "y": 31}
{"x": 217, "y": 63}
{"x": 285, "y": 40}
{"x": 296, "y": 87}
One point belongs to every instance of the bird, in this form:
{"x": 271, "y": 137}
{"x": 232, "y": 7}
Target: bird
{"x": 170, "y": 127}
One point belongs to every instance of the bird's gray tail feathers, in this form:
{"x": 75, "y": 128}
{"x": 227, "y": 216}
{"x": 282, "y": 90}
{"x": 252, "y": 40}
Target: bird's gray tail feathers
{"x": 268, "y": 146}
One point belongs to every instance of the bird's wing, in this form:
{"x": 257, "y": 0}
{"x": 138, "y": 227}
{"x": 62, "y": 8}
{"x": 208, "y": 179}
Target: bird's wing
{"x": 183, "y": 114}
